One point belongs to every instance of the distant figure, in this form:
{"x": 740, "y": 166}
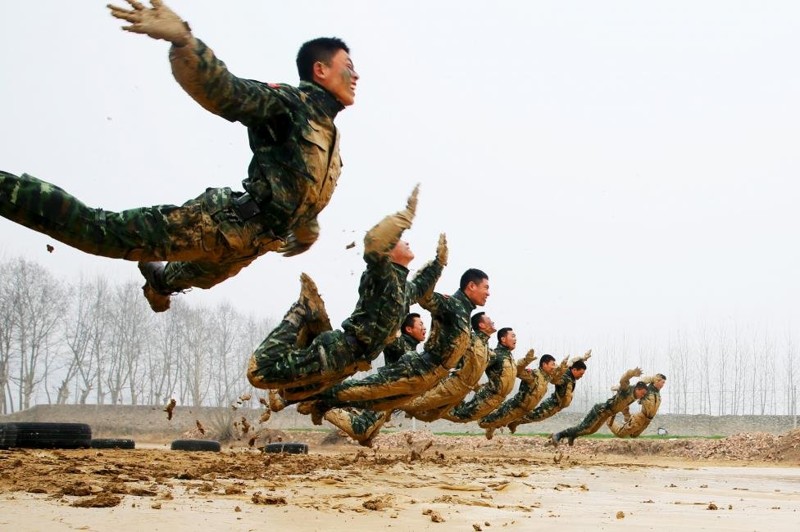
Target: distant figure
{"x": 625, "y": 395}
{"x": 561, "y": 397}
{"x": 532, "y": 387}
{"x": 633, "y": 425}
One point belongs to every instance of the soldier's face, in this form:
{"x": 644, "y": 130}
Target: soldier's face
{"x": 478, "y": 293}
{"x": 488, "y": 325}
{"x": 639, "y": 393}
{"x": 578, "y": 373}
{"x": 417, "y": 331}
{"x": 401, "y": 253}
{"x": 509, "y": 340}
{"x": 659, "y": 383}
{"x": 549, "y": 366}
{"x": 338, "y": 76}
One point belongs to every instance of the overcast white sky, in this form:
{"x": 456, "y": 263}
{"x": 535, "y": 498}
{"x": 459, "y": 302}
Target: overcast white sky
{"x": 615, "y": 167}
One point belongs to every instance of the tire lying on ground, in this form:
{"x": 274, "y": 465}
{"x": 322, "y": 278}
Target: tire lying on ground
{"x": 195, "y": 445}
{"x": 112, "y": 443}
{"x": 291, "y": 448}
{"x": 39, "y": 435}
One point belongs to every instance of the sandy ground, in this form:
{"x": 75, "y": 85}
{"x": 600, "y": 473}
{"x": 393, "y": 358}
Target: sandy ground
{"x": 408, "y": 481}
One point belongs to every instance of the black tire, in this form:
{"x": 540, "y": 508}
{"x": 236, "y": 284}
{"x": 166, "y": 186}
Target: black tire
{"x": 195, "y": 445}
{"x": 291, "y": 448}
{"x": 113, "y": 443}
{"x": 37, "y": 435}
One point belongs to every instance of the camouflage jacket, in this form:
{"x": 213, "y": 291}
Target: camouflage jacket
{"x": 450, "y": 327}
{"x": 384, "y": 294}
{"x": 497, "y": 363}
{"x": 622, "y": 398}
{"x": 453, "y": 388}
{"x": 650, "y": 402}
{"x": 384, "y": 298}
{"x": 296, "y": 163}
{"x": 401, "y": 345}
{"x": 564, "y": 389}
{"x": 534, "y": 385}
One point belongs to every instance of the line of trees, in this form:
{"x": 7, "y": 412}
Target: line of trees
{"x": 91, "y": 341}
{"x": 95, "y": 342}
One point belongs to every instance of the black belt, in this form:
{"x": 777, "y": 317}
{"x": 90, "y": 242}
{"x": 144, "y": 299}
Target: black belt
{"x": 246, "y": 207}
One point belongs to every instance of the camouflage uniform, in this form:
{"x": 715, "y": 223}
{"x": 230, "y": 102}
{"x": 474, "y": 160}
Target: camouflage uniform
{"x": 453, "y": 388}
{"x": 385, "y": 296}
{"x": 501, "y": 372}
{"x": 532, "y": 388}
{"x": 393, "y": 386}
{"x": 634, "y": 425}
{"x": 401, "y": 345}
{"x": 291, "y": 178}
{"x": 558, "y": 400}
{"x": 600, "y": 412}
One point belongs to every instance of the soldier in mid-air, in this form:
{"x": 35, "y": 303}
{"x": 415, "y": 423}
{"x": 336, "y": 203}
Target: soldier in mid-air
{"x": 532, "y": 388}
{"x": 302, "y": 356}
{"x": 632, "y": 426}
{"x": 291, "y": 178}
{"x": 561, "y": 397}
{"x": 599, "y": 414}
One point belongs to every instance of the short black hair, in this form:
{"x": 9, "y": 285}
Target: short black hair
{"x": 640, "y": 386}
{"x": 503, "y": 332}
{"x": 473, "y": 275}
{"x": 476, "y": 320}
{"x": 409, "y": 321}
{"x": 579, "y": 364}
{"x": 545, "y": 359}
{"x": 661, "y": 376}
{"x": 320, "y": 49}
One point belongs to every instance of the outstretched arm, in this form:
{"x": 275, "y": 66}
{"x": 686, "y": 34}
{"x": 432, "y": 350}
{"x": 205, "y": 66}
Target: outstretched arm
{"x": 559, "y": 371}
{"x": 158, "y": 22}
{"x": 586, "y": 356}
{"x": 426, "y": 278}
{"x": 625, "y": 381}
{"x": 522, "y": 364}
{"x": 384, "y": 236}
{"x": 204, "y": 77}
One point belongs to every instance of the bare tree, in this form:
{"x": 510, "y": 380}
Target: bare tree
{"x": 196, "y": 356}
{"x": 127, "y": 322}
{"x": 705, "y": 364}
{"x": 7, "y": 333}
{"x": 38, "y": 303}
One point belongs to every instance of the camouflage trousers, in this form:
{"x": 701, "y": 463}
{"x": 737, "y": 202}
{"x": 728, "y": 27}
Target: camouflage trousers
{"x": 547, "y": 408}
{"x": 484, "y": 401}
{"x": 437, "y": 401}
{"x": 510, "y": 410}
{"x": 598, "y": 415}
{"x": 283, "y": 362}
{"x": 205, "y": 237}
{"x": 391, "y": 386}
{"x": 631, "y": 427}
{"x": 360, "y": 425}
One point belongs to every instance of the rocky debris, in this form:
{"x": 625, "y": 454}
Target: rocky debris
{"x": 748, "y": 446}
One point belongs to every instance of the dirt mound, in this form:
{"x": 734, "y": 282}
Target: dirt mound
{"x": 786, "y": 448}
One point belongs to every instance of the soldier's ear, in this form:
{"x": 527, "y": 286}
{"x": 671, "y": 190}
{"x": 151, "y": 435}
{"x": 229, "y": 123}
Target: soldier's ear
{"x": 320, "y": 70}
